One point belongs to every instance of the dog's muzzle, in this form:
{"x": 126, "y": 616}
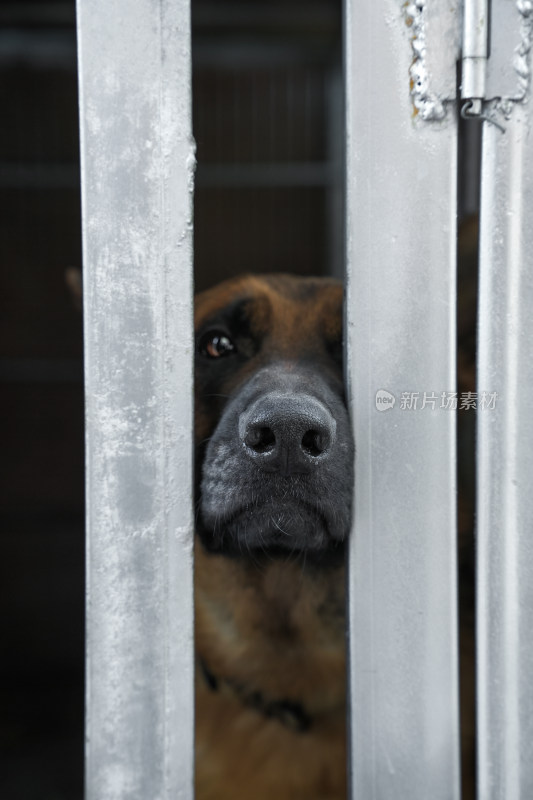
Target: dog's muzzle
{"x": 278, "y": 470}
{"x": 287, "y": 433}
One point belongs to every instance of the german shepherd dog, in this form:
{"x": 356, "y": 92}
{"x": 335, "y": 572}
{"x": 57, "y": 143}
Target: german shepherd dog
{"x": 274, "y": 475}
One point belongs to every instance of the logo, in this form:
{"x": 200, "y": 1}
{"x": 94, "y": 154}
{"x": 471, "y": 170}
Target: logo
{"x": 384, "y": 400}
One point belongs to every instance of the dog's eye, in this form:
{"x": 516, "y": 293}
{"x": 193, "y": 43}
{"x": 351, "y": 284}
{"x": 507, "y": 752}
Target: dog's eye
{"x": 216, "y": 344}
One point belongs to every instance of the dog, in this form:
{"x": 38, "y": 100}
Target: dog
{"x": 274, "y": 482}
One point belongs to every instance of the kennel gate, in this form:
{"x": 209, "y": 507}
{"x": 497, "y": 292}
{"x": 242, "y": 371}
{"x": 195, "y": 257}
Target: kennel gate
{"x": 137, "y": 180}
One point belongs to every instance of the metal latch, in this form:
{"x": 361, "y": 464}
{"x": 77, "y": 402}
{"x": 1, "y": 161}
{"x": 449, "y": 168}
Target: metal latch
{"x": 494, "y": 74}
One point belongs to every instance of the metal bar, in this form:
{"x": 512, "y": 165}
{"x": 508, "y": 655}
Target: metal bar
{"x": 39, "y": 176}
{"x": 41, "y": 370}
{"x": 505, "y": 446}
{"x": 137, "y": 174}
{"x": 38, "y": 49}
{"x": 401, "y": 209}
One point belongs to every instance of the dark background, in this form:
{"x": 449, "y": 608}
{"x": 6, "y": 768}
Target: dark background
{"x": 268, "y": 125}
{"x": 268, "y": 122}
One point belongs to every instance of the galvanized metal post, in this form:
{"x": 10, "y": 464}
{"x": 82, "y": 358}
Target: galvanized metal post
{"x": 137, "y": 176}
{"x": 505, "y": 418}
{"x": 401, "y": 175}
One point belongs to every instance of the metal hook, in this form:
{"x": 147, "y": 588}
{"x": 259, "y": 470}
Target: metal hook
{"x": 472, "y": 110}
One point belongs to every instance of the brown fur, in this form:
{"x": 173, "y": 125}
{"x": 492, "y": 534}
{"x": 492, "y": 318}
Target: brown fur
{"x": 278, "y": 630}
{"x": 274, "y": 629}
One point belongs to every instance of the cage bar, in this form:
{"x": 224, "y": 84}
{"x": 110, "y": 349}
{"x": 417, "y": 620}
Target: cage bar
{"x": 137, "y": 175}
{"x": 505, "y": 454}
{"x": 401, "y": 243}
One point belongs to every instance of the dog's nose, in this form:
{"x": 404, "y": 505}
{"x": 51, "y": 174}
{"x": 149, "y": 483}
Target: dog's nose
{"x": 287, "y": 433}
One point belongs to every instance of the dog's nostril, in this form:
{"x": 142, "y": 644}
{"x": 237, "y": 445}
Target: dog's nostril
{"x": 314, "y": 443}
{"x": 260, "y": 439}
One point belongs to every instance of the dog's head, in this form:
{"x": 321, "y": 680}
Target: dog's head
{"x": 274, "y": 452}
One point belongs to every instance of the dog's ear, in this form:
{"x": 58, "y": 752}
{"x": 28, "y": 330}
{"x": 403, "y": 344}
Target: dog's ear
{"x": 74, "y": 281}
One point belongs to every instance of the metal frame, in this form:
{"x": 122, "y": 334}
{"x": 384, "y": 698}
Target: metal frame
{"x": 401, "y": 208}
{"x": 505, "y": 432}
{"x": 137, "y": 180}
